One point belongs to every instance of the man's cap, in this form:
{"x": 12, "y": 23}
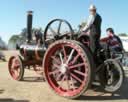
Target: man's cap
{"x": 92, "y": 7}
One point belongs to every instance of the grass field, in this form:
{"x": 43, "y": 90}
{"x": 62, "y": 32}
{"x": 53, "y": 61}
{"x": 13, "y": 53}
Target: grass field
{"x": 34, "y": 89}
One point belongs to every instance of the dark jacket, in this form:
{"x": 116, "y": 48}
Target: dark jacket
{"x": 96, "y": 26}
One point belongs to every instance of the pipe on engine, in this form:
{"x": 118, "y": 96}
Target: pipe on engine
{"x": 29, "y": 26}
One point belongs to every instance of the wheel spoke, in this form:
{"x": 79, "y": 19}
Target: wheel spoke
{"x": 52, "y": 31}
{"x": 64, "y": 51}
{"x": 61, "y": 83}
{"x": 61, "y": 58}
{"x": 76, "y": 66}
{"x": 56, "y": 60}
{"x": 74, "y": 60}
{"x": 12, "y": 70}
{"x": 59, "y": 76}
{"x": 70, "y": 56}
{"x": 13, "y": 63}
{"x": 16, "y": 73}
{"x": 49, "y": 37}
{"x": 54, "y": 72}
{"x": 80, "y": 73}
{"x": 12, "y": 66}
{"x": 56, "y": 66}
{"x": 17, "y": 62}
{"x": 59, "y": 26}
{"x": 76, "y": 78}
{"x": 68, "y": 84}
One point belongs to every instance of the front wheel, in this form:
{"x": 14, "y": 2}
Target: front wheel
{"x": 15, "y": 67}
{"x": 67, "y": 68}
{"x": 111, "y": 76}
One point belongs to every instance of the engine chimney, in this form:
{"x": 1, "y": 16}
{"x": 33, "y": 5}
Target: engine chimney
{"x": 29, "y": 26}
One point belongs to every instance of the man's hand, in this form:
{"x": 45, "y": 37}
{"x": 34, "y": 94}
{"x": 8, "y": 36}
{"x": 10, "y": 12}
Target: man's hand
{"x": 85, "y": 33}
{"x": 90, "y": 21}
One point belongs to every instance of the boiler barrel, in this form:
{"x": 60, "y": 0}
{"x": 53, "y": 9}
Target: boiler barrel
{"x": 32, "y": 51}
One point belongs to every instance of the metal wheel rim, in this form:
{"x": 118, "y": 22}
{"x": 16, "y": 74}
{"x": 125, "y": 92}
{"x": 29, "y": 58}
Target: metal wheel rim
{"x": 115, "y": 86}
{"x": 56, "y": 86}
{"x": 14, "y": 67}
{"x": 59, "y": 27}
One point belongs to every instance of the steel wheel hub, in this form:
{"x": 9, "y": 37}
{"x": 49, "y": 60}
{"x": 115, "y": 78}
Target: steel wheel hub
{"x": 63, "y": 68}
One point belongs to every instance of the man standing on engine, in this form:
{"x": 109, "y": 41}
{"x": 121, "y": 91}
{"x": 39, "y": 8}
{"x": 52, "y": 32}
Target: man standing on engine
{"x": 93, "y": 26}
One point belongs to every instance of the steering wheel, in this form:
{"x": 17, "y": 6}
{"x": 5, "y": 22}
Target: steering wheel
{"x": 57, "y": 29}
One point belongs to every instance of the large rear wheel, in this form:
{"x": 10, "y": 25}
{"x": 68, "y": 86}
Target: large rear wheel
{"x": 67, "y": 68}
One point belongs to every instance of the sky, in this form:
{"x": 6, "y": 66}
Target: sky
{"x": 13, "y": 14}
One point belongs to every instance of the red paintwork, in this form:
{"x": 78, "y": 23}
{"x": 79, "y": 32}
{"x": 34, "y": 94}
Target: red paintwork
{"x": 14, "y": 67}
{"x": 72, "y": 66}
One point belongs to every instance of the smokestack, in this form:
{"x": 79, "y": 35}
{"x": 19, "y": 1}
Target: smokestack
{"x": 29, "y": 25}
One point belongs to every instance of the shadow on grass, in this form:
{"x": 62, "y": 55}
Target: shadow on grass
{"x": 12, "y": 100}
{"x": 33, "y": 79}
{"x": 1, "y": 91}
{"x": 102, "y": 98}
{"x": 122, "y": 94}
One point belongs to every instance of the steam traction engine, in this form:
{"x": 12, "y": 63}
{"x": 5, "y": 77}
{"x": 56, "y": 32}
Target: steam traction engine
{"x": 66, "y": 61}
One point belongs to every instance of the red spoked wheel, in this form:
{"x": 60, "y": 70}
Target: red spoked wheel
{"x": 15, "y": 68}
{"x": 38, "y": 69}
{"x": 67, "y": 68}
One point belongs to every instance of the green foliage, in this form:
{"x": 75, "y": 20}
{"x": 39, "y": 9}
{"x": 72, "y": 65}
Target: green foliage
{"x": 123, "y": 34}
{"x": 19, "y": 39}
{"x": 14, "y": 38}
{"x": 3, "y": 45}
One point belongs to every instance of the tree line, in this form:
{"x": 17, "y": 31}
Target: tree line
{"x": 18, "y": 39}
{"x": 3, "y": 45}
